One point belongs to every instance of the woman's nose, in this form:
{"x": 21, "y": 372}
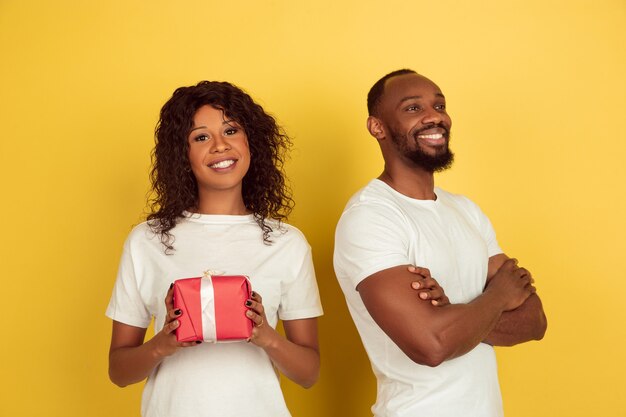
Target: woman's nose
{"x": 220, "y": 144}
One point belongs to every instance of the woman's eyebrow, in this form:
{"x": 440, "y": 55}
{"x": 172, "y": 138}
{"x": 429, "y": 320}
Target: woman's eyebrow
{"x": 228, "y": 122}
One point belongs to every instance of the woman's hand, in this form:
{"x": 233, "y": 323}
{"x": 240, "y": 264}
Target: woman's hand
{"x": 427, "y": 287}
{"x": 164, "y": 342}
{"x": 263, "y": 335}
{"x": 130, "y": 359}
{"x": 296, "y": 355}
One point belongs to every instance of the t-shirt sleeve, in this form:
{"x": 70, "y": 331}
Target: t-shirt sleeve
{"x": 485, "y": 228}
{"x": 126, "y": 304}
{"x": 493, "y": 248}
{"x": 300, "y": 297}
{"x": 370, "y": 237}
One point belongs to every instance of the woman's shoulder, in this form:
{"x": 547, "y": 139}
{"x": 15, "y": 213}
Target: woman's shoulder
{"x": 141, "y": 233}
{"x": 286, "y": 234}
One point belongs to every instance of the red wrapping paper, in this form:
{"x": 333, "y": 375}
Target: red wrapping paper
{"x": 230, "y": 293}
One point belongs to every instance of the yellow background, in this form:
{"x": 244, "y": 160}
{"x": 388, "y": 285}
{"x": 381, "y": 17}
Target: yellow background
{"x": 537, "y": 93}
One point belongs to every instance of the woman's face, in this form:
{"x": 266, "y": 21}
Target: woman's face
{"x": 218, "y": 151}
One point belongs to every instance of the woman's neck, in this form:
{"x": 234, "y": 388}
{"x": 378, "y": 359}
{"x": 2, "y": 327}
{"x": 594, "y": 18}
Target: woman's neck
{"x": 220, "y": 202}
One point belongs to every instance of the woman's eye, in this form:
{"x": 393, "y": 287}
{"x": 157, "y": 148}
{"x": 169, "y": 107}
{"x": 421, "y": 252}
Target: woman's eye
{"x": 230, "y": 131}
{"x": 201, "y": 138}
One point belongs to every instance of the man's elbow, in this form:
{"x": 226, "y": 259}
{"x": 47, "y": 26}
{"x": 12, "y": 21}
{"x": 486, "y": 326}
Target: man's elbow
{"x": 431, "y": 360}
{"x": 432, "y": 356}
{"x": 539, "y": 320}
{"x": 541, "y": 328}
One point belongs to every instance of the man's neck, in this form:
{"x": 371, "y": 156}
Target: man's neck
{"x": 413, "y": 182}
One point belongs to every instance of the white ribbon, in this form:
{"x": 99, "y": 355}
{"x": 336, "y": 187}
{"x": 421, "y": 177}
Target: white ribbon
{"x": 207, "y": 302}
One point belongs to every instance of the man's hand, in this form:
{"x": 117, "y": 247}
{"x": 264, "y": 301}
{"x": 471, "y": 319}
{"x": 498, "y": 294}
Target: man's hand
{"x": 514, "y": 284}
{"x": 427, "y": 287}
{"x": 527, "y": 322}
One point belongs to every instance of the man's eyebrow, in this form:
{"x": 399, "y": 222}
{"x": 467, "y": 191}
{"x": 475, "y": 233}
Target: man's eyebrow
{"x": 407, "y": 98}
{"x": 225, "y": 122}
{"x": 418, "y": 97}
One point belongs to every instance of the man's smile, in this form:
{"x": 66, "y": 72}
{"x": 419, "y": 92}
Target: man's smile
{"x": 432, "y": 135}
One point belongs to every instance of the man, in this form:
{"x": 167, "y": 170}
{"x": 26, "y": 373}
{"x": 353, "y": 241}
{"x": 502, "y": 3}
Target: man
{"x": 429, "y": 360}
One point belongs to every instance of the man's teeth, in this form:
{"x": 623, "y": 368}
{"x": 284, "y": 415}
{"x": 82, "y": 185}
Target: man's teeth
{"x": 433, "y": 136}
{"x": 222, "y": 164}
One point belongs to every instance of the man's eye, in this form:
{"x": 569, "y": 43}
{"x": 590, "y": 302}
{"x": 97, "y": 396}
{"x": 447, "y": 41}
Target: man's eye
{"x": 440, "y": 107}
{"x": 412, "y": 108}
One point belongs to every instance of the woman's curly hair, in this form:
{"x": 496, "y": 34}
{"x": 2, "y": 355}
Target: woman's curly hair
{"x": 174, "y": 187}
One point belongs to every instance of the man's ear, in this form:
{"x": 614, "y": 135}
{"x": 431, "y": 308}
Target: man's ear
{"x": 375, "y": 127}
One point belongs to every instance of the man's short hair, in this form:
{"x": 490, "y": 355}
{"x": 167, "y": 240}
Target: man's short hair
{"x": 377, "y": 90}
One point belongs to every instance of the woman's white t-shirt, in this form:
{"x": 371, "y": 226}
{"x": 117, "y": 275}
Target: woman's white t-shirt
{"x": 215, "y": 379}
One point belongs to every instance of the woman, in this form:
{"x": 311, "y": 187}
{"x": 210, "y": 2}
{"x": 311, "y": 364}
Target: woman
{"x": 219, "y": 199}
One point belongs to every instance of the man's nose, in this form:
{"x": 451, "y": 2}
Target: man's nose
{"x": 432, "y": 116}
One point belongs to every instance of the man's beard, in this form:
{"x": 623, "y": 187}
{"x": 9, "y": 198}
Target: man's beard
{"x": 430, "y": 163}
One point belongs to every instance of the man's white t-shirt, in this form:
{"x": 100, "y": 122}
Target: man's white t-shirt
{"x": 215, "y": 379}
{"x": 381, "y": 228}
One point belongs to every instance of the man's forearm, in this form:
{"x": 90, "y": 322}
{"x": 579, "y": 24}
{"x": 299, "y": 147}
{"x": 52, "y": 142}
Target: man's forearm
{"x": 429, "y": 335}
{"x": 525, "y": 323}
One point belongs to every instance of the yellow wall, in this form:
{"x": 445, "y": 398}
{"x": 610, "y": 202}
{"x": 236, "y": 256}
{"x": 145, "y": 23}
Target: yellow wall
{"x": 537, "y": 94}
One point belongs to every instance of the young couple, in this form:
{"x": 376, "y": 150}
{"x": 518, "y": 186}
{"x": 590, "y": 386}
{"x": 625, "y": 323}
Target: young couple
{"x": 219, "y": 203}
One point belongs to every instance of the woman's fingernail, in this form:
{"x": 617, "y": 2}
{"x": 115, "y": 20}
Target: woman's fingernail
{"x": 171, "y": 285}
{"x": 415, "y": 285}
{"x": 423, "y": 296}
{"x": 175, "y": 323}
{"x": 198, "y": 342}
{"x": 177, "y": 311}
{"x": 253, "y": 294}
{"x": 249, "y": 313}
{"x": 248, "y": 303}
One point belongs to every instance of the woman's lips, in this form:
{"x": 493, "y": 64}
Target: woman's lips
{"x": 223, "y": 164}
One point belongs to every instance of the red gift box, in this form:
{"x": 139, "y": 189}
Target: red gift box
{"x": 213, "y": 308}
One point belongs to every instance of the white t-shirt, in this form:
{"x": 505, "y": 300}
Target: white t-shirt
{"x": 381, "y": 228}
{"x": 223, "y": 379}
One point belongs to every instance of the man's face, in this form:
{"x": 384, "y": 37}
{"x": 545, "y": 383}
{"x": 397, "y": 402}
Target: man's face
{"x": 413, "y": 111}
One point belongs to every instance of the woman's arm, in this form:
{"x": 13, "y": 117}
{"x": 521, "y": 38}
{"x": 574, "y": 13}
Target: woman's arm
{"x": 130, "y": 359}
{"x": 296, "y": 356}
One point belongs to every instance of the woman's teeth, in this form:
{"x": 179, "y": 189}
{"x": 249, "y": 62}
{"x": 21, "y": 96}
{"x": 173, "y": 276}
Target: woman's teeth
{"x": 222, "y": 164}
